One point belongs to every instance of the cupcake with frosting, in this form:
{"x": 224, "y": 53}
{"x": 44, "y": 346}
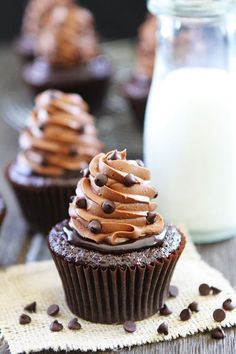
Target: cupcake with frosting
{"x": 2, "y": 210}
{"x": 68, "y": 56}
{"x": 58, "y": 142}
{"x": 136, "y": 89}
{"x": 114, "y": 254}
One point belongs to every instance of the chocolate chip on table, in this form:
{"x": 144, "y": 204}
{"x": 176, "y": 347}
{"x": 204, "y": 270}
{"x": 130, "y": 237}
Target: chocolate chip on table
{"x": 185, "y": 314}
{"x": 31, "y": 307}
{"x": 217, "y": 333}
{"x": 215, "y": 290}
{"x": 114, "y": 155}
{"x": 24, "y": 319}
{"x": 129, "y": 326}
{"x": 74, "y": 324}
{"x": 130, "y": 180}
{"x": 95, "y": 226}
{"x": 151, "y": 217}
{"x": 53, "y": 310}
{"x": 108, "y": 207}
{"x": 101, "y": 180}
{"x": 173, "y": 291}
{"x": 219, "y": 315}
{"x": 140, "y": 163}
{"x": 165, "y": 311}
{"x": 81, "y": 203}
{"x": 56, "y": 326}
{"x": 194, "y": 307}
{"x": 229, "y": 305}
{"x": 163, "y": 329}
{"x": 204, "y": 289}
{"x": 85, "y": 172}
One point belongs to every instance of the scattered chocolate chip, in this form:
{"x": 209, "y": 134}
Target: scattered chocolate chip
{"x": 165, "y": 311}
{"x": 73, "y": 152}
{"x": 41, "y": 127}
{"x": 81, "y": 129}
{"x": 140, "y": 163}
{"x": 173, "y": 291}
{"x": 85, "y": 172}
{"x": 24, "y": 319}
{"x": 217, "y": 333}
{"x": 31, "y": 307}
{"x": 114, "y": 155}
{"x": 81, "y": 203}
{"x": 100, "y": 180}
{"x": 194, "y": 307}
{"x": 95, "y": 226}
{"x": 130, "y": 180}
{"x": 204, "y": 289}
{"x": 74, "y": 324}
{"x": 185, "y": 315}
{"x": 129, "y": 326}
{"x": 229, "y": 305}
{"x": 53, "y": 310}
{"x": 151, "y": 217}
{"x": 108, "y": 207}
{"x": 163, "y": 329}
{"x": 155, "y": 195}
{"x": 215, "y": 290}
{"x": 219, "y": 315}
{"x": 72, "y": 198}
{"x": 56, "y": 326}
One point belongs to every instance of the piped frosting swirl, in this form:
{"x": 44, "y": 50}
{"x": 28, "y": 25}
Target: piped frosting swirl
{"x": 60, "y": 136}
{"x": 113, "y": 201}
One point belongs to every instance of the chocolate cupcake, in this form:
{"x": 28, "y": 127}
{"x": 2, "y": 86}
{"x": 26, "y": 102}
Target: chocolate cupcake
{"x": 57, "y": 143}
{"x": 2, "y": 210}
{"x": 68, "y": 57}
{"x": 136, "y": 89}
{"x": 36, "y": 15}
{"x": 115, "y": 255}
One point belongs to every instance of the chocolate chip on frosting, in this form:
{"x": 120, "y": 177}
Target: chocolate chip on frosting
{"x": 95, "y": 226}
{"x": 114, "y": 155}
{"x": 31, "y": 307}
{"x": 185, "y": 315}
{"x": 163, "y": 329}
{"x": 229, "y": 305}
{"x": 130, "y": 180}
{"x": 101, "y": 180}
{"x": 56, "y": 326}
{"x": 74, "y": 325}
{"x": 24, "y": 319}
{"x": 86, "y": 172}
{"x": 165, "y": 311}
{"x": 219, "y": 315}
{"x": 151, "y": 217}
{"x": 129, "y": 326}
{"x": 108, "y": 207}
{"x": 81, "y": 203}
{"x": 218, "y": 333}
{"x": 204, "y": 289}
{"x": 140, "y": 163}
{"x": 81, "y": 129}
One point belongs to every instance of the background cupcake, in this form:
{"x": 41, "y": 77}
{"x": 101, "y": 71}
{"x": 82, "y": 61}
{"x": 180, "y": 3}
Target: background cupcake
{"x": 68, "y": 56}
{"x": 2, "y": 210}
{"x": 115, "y": 256}
{"x": 58, "y": 141}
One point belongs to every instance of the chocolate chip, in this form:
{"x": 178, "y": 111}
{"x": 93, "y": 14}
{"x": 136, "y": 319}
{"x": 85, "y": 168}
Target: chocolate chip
{"x": 73, "y": 152}
{"x": 155, "y": 195}
{"x": 81, "y": 203}
{"x": 95, "y": 226}
{"x": 44, "y": 162}
{"x": 151, "y": 217}
{"x": 53, "y": 310}
{"x": 140, "y": 163}
{"x": 165, "y": 311}
{"x": 31, "y": 307}
{"x": 129, "y": 326}
{"x": 72, "y": 197}
{"x": 85, "y": 172}
{"x": 74, "y": 324}
{"x": 194, "y": 307}
{"x": 56, "y": 326}
{"x": 215, "y": 290}
{"x": 204, "y": 289}
{"x": 81, "y": 129}
{"x": 100, "y": 180}
{"x": 229, "y": 305}
{"x": 130, "y": 180}
{"x": 41, "y": 127}
{"x": 219, "y": 315}
{"x": 24, "y": 319}
{"x": 185, "y": 315}
{"x": 173, "y": 291}
{"x": 114, "y": 155}
{"x": 217, "y": 333}
{"x": 163, "y": 329}
{"x": 108, "y": 207}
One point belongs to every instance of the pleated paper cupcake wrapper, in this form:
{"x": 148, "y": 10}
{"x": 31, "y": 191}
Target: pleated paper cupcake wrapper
{"x": 43, "y": 207}
{"x": 106, "y": 295}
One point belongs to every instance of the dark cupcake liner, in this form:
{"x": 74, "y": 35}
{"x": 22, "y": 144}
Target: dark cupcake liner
{"x": 106, "y": 295}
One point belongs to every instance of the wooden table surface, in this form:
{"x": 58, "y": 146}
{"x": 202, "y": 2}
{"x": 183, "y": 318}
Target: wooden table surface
{"x": 17, "y": 247}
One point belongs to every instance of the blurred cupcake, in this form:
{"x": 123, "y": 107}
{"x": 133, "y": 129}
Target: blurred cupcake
{"x": 136, "y": 89}
{"x": 115, "y": 255}
{"x": 68, "y": 57}
{"x": 36, "y": 15}
{"x": 57, "y": 143}
{"x": 2, "y": 210}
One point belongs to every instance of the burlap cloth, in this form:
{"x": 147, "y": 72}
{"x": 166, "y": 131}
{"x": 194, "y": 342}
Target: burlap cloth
{"x": 20, "y": 285}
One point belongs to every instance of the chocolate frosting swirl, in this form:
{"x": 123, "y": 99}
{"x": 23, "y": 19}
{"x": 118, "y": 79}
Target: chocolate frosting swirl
{"x": 124, "y": 185}
{"x": 68, "y": 37}
{"x": 60, "y": 136}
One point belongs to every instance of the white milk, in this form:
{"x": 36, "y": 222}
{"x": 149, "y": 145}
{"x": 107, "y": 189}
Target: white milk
{"x": 190, "y": 147}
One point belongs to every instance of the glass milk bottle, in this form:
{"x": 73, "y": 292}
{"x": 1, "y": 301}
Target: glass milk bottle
{"x": 190, "y": 122}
